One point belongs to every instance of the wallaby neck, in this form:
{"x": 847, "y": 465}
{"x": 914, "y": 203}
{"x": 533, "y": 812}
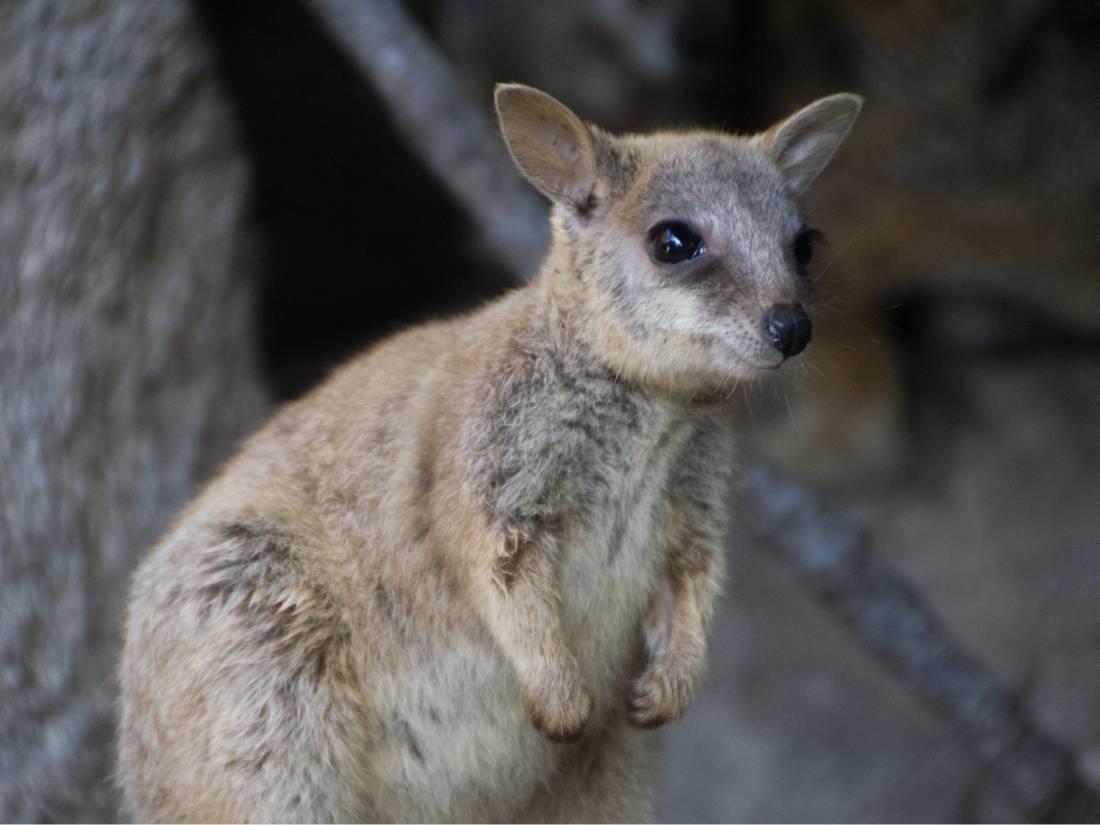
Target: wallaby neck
{"x": 564, "y": 322}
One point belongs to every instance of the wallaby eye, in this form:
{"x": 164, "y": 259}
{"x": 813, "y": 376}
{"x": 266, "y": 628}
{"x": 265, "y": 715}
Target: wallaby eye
{"x": 673, "y": 242}
{"x": 803, "y": 246}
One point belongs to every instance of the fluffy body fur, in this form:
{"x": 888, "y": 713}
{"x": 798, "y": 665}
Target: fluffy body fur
{"x": 460, "y": 579}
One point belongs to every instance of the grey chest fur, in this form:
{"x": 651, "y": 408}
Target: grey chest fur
{"x": 564, "y": 449}
{"x": 585, "y": 464}
{"x": 619, "y": 541}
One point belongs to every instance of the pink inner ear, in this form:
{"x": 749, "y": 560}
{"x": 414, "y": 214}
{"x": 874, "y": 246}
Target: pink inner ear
{"x": 800, "y": 148}
{"x": 576, "y": 179}
{"x": 803, "y": 144}
{"x": 791, "y": 143}
{"x": 581, "y": 190}
{"x": 552, "y": 146}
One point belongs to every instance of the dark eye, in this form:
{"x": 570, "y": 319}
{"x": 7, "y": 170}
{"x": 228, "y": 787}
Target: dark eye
{"x": 803, "y": 247}
{"x": 673, "y": 242}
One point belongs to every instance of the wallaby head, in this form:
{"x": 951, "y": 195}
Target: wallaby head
{"x": 687, "y": 250}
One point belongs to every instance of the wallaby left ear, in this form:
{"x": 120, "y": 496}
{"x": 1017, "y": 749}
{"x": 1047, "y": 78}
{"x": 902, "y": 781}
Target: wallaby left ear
{"x": 553, "y": 147}
{"x": 803, "y": 144}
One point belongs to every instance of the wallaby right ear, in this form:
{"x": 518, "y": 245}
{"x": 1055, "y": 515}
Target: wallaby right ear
{"x": 553, "y": 147}
{"x": 804, "y": 143}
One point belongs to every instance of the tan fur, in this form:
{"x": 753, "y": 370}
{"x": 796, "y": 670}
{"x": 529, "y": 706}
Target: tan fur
{"x": 459, "y": 580}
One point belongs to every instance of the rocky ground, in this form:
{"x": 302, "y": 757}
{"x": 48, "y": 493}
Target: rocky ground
{"x": 997, "y": 522}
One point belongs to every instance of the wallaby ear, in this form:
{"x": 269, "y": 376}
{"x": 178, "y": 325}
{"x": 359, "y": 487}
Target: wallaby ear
{"x": 804, "y": 143}
{"x": 553, "y": 147}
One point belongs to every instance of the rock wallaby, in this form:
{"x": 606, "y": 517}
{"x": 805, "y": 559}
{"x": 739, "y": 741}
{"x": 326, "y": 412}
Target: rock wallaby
{"x": 463, "y": 577}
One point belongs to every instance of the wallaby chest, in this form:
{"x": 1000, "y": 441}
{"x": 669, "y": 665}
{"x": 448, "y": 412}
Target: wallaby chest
{"x": 585, "y": 465}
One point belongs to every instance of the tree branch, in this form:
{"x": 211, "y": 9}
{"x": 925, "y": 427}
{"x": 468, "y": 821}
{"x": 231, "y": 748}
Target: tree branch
{"x": 452, "y": 136}
{"x": 829, "y": 555}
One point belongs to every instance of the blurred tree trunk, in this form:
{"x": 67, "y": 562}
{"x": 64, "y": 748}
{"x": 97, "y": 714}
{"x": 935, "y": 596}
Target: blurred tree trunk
{"x": 126, "y": 341}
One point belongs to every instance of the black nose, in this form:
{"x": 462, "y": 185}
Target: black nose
{"x": 787, "y": 328}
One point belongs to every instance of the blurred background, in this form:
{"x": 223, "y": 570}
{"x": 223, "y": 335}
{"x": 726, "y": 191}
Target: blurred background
{"x": 204, "y": 207}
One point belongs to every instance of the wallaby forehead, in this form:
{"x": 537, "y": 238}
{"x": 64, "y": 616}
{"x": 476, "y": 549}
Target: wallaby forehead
{"x": 707, "y": 175}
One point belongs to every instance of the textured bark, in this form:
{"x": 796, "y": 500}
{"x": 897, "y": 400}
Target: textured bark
{"x": 126, "y": 342}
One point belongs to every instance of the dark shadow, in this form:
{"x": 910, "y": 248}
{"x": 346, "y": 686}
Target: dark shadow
{"x": 357, "y": 239}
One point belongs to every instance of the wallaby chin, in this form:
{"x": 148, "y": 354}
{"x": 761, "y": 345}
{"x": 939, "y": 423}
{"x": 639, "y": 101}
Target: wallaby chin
{"x": 463, "y": 578}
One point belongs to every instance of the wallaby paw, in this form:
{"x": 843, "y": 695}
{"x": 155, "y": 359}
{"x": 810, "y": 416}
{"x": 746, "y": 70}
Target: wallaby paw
{"x": 561, "y": 715}
{"x": 658, "y": 696}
